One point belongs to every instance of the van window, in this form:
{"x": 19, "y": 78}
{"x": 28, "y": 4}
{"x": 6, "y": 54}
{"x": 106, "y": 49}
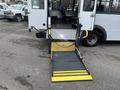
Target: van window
{"x": 55, "y": 4}
{"x": 38, "y": 4}
{"x": 88, "y": 5}
{"x": 103, "y": 6}
{"x": 115, "y": 6}
{"x": 1, "y": 7}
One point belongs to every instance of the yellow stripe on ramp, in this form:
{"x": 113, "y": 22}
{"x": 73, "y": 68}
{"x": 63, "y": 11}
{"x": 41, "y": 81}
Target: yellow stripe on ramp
{"x": 71, "y": 78}
{"x": 70, "y": 74}
{"x": 71, "y": 71}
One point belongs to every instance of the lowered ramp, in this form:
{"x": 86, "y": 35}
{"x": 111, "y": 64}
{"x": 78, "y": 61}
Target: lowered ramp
{"x": 67, "y": 64}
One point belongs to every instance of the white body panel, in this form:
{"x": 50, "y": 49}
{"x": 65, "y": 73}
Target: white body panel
{"x": 37, "y": 17}
{"x": 111, "y": 24}
{"x": 87, "y": 21}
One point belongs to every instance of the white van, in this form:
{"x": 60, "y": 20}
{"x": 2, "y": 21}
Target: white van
{"x": 106, "y": 21}
{"x": 101, "y": 18}
{"x": 15, "y": 12}
{"x": 3, "y": 7}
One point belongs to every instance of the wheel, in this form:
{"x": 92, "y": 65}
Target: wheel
{"x": 92, "y": 39}
{"x": 18, "y": 18}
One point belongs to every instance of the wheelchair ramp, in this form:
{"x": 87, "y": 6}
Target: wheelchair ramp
{"x": 67, "y": 66}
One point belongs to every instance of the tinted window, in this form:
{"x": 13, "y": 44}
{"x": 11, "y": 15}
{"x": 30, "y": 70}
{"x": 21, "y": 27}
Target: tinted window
{"x": 1, "y": 7}
{"x": 115, "y": 6}
{"x": 88, "y": 5}
{"x": 103, "y": 5}
{"x": 38, "y": 4}
{"x": 55, "y": 4}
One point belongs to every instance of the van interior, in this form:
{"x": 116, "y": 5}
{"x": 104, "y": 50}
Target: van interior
{"x": 63, "y": 14}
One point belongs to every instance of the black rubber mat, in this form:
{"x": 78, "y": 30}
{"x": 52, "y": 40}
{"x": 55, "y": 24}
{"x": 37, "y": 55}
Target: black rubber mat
{"x": 66, "y": 61}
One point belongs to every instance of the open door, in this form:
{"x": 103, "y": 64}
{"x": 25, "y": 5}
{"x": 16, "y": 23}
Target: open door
{"x": 87, "y": 14}
{"x": 37, "y": 13}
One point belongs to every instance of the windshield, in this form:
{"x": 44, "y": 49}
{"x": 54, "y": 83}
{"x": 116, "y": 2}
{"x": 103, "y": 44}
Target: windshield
{"x": 15, "y": 7}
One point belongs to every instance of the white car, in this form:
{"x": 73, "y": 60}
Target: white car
{"x": 3, "y": 7}
{"x": 15, "y": 12}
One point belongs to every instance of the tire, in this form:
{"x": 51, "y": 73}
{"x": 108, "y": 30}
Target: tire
{"x": 92, "y": 39}
{"x": 18, "y": 18}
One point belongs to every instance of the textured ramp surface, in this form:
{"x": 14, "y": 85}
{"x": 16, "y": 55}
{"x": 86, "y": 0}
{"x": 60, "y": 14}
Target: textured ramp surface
{"x": 66, "y": 61}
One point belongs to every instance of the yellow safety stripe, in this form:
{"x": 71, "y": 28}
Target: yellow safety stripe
{"x": 71, "y": 71}
{"x": 62, "y": 46}
{"x": 71, "y": 78}
{"x": 68, "y": 74}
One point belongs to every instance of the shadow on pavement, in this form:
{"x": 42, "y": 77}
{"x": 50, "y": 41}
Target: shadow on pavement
{"x": 110, "y": 43}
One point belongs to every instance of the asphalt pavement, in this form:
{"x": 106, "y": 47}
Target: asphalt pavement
{"x": 25, "y": 62}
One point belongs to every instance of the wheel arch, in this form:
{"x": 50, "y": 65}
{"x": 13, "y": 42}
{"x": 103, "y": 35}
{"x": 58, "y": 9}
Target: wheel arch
{"x": 101, "y": 31}
{"x": 19, "y": 15}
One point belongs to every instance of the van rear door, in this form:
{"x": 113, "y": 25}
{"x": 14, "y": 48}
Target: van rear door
{"x": 37, "y": 13}
{"x": 87, "y": 14}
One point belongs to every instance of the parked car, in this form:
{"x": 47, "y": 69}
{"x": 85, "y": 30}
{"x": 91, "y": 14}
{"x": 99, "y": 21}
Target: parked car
{"x": 15, "y": 12}
{"x": 3, "y": 7}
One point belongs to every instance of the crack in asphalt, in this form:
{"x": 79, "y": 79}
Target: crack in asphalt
{"x": 23, "y": 81}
